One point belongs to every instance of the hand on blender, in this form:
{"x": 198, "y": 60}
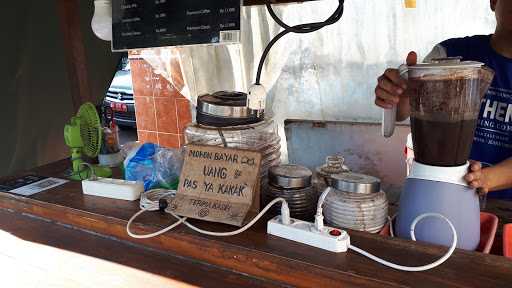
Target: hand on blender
{"x": 390, "y": 91}
{"x": 391, "y": 88}
{"x": 490, "y": 179}
{"x": 477, "y": 178}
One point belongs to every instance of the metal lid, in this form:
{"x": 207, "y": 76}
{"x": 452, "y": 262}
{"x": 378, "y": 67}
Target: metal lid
{"x": 356, "y": 183}
{"x": 225, "y": 104}
{"x": 290, "y": 176}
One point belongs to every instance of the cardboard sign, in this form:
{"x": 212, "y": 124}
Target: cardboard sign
{"x": 218, "y": 184}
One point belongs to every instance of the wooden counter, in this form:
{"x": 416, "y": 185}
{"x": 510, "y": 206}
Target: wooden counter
{"x": 251, "y": 259}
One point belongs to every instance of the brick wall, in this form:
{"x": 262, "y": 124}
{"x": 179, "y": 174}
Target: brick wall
{"x": 162, "y": 112}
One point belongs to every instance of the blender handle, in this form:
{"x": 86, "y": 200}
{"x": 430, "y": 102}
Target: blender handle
{"x": 389, "y": 121}
{"x": 389, "y": 115}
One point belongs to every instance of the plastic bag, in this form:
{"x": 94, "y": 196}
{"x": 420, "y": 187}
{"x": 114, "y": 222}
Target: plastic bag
{"x": 155, "y": 166}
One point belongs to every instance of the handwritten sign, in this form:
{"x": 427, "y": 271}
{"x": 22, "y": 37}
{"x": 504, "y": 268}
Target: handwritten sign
{"x": 218, "y": 184}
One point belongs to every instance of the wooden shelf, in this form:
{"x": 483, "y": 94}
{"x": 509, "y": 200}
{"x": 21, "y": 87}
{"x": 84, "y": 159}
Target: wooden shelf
{"x": 255, "y": 253}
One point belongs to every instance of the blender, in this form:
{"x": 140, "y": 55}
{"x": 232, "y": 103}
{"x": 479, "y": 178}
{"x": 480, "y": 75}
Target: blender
{"x": 445, "y": 99}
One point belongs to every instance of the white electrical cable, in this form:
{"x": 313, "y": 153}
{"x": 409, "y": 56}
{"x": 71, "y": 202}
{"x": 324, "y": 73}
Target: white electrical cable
{"x": 319, "y": 223}
{"x": 149, "y": 201}
{"x": 391, "y": 231}
{"x": 418, "y": 268}
{"x": 152, "y": 205}
{"x": 247, "y": 226}
{"x": 146, "y": 236}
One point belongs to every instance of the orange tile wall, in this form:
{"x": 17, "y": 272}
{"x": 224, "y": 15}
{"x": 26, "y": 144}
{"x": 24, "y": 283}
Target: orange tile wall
{"x": 162, "y": 112}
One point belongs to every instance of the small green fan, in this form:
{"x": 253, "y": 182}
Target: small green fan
{"x": 83, "y": 135}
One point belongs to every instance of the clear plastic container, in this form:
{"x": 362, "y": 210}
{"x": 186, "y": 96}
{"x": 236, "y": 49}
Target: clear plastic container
{"x": 333, "y": 165}
{"x": 445, "y": 100}
{"x": 262, "y": 137}
{"x": 360, "y": 212}
{"x": 356, "y": 202}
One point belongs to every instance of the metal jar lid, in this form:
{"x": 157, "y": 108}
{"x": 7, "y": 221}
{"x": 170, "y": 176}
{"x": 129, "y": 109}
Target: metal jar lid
{"x": 356, "y": 183}
{"x": 225, "y": 109}
{"x": 290, "y": 176}
{"x": 225, "y": 104}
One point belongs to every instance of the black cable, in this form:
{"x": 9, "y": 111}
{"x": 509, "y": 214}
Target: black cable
{"x": 299, "y": 29}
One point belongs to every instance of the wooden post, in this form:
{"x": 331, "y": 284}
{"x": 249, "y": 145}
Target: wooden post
{"x": 69, "y": 14}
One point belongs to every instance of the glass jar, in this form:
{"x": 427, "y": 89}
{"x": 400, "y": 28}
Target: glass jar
{"x": 356, "y": 202}
{"x": 294, "y": 184}
{"x": 333, "y": 165}
{"x": 262, "y": 137}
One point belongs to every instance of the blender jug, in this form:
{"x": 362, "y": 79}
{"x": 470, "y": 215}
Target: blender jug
{"x": 445, "y": 99}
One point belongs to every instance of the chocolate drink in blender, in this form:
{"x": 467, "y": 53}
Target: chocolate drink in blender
{"x": 444, "y": 144}
{"x": 443, "y": 120}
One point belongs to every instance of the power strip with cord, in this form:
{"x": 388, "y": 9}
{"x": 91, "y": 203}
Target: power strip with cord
{"x": 312, "y": 234}
{"x": 331, "y": 239}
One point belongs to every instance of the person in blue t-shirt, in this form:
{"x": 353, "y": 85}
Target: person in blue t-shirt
{"x": 491, "y": 154}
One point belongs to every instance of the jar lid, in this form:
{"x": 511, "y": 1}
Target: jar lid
{"x": 226, "y": 108}
{"x": 356, "y": 183}
{"x": 290, "y": 176}
{"x": 226, "y": 104}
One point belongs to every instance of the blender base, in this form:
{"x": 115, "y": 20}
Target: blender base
{"x": 440, "y": 190}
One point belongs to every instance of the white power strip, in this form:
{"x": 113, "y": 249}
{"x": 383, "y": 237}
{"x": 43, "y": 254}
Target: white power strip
{"x": 331, "y": 239}
{"x": 113, "y": 188}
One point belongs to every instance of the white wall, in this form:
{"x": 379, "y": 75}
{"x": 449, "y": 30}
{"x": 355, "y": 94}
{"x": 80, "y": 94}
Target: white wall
{"x": 331, "y": 74}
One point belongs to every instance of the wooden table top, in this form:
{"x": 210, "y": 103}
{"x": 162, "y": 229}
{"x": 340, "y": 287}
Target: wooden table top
{"x": 46, "y": 250}
{"x": 254, "y": 253}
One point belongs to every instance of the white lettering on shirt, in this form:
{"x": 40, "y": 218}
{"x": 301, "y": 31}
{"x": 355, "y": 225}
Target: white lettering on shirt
{"x": 500, "y": 113}
{"x": 490, "y": 109}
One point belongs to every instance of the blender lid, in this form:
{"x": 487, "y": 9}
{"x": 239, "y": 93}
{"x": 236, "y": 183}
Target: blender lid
{"x": 356, "y": 183}
{"x": 447, "y": 63}
{"x": 290, "y": 176}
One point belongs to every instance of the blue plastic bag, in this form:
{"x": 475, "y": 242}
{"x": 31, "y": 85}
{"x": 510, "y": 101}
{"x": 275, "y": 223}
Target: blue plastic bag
{"x": 155, "y": 166}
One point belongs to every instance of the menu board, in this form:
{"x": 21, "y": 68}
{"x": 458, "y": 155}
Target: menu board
{"x": 156, "y": 23}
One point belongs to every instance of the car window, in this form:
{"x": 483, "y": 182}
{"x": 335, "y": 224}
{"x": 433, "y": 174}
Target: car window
{"x": 126, "y": 66}
{"x": 124, "y": 63}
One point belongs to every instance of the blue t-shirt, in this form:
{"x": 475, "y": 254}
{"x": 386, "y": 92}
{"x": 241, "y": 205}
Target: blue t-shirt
{"x": 493, "y": 136}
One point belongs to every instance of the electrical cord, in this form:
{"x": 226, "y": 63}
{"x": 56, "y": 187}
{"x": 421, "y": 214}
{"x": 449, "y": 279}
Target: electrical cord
{"x": 391, "y": 229}
{"x": 299, "y": 29}
{"x": 284, "y": 218}
{"x": 150, "y": 201}
{"x": 418, "y": 268}
{"x": 319, "y": 225}
{"x": 158, "y": 233}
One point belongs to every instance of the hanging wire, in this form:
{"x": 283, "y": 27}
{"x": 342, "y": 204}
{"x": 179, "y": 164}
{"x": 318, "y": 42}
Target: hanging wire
{"x": 299, "y": 29}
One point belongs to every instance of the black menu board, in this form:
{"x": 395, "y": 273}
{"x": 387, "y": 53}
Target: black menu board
{"x": 156, "y": 23}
